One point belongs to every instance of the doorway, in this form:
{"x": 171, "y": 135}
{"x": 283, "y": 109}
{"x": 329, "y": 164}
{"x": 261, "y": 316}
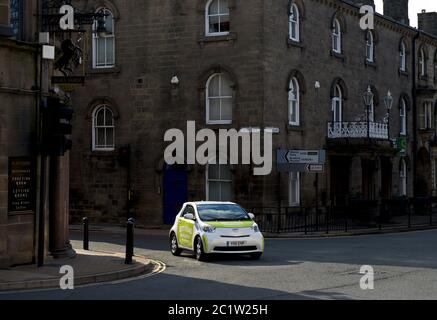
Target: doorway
{"x": 340, "y": 175}
{"x": 386, "y": 178}
{"x": 175, "y": 187}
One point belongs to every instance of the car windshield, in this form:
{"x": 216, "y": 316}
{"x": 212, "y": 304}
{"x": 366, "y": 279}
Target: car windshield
{"x": 222, "y": 212}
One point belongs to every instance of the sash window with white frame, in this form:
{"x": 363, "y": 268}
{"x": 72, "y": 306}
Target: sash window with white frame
{"x": 218, "y": 182}
{"x": 336, "y": 36}
{"x": 337, "y": 105}
{"x": 403, "y": 117}
{"x": 217, "y": 19}
{"x": 370, "y": 47}
{"x": 219, "y": 99}
{"x": 403, "y": 57}
{"x": 103, "y": 134}
{"x": 294, "y": 189}
{"x": 294, "y": 23}
{"x": 104, "y": 43}
{"x": 422, "y": 63}
{"x": 426, "y": 115}
{"x": 294, "y": 103}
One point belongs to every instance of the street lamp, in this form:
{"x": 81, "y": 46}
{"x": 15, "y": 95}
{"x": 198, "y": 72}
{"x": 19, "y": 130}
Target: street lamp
{"x": 368, "y": 100}
{"x": 388, "y": 102}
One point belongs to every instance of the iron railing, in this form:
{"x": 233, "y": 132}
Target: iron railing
{"x": 361, "y": 129}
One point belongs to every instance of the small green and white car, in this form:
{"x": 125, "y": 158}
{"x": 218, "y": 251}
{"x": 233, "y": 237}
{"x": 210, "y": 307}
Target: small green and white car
{"x": 215, "y": 227}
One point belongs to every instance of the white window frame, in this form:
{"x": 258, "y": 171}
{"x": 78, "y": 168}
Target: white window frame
{"x": 207, "y": 17}
{"x": 294, "y": 102}
{"x": 219, "y": 180}
{"x": 370, "y": 47}
{"x": 403, "y": 57}
{"x": 426, "y": 115}
{"x": 336, "y": 37}
{"x": 294, "y": 23}
{"x": 403, "y": 117}
{"x": 403, "y": 176}
{"x": 104, "y": 127}
{"x": 208, "y": 120}
{"x": 338, "y": 98}
{"x": 294, "y": 187}
{"x": 422, "y": 62}
{"x": 96, "y": 38}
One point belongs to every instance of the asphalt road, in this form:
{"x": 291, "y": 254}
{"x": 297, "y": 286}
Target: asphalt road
{"x": 405, "y": 266}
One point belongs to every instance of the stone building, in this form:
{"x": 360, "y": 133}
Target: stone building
{"x": 301, "y": 66}
{"x": 33, "y": 212}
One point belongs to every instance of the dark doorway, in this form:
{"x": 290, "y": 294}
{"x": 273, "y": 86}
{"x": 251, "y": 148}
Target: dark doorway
{"x": 423, "y": 178}
{"x": 340, "y": 175}
{"x": 369, "y": 186}
{"x": 175, "y": 191}
{"x": 386, "y": 178}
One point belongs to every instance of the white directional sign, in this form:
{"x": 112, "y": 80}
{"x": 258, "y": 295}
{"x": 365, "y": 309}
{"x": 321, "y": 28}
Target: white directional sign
{"x": 301, "y": 160}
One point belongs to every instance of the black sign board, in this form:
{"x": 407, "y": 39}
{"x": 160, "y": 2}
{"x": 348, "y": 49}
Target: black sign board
{"x": 68, "y": 80}
{"x": 21, "y": 195}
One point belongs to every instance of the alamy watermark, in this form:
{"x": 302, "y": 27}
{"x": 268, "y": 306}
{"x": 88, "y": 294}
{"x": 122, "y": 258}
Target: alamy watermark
{"x": 256, "y": 147}
{"x": 367, "y": 281}
{"x": 67, "y": 280}
{"x": 367, "y": 21}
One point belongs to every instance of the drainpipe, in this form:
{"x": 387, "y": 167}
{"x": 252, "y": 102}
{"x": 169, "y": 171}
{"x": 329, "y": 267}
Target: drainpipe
{"x": 414, "y": 96}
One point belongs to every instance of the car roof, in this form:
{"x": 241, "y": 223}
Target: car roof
{"x": 196, "y": 203}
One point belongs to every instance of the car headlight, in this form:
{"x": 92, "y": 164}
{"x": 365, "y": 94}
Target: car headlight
{"x": 208, "y": 229}
{"x": 255, "y": 228}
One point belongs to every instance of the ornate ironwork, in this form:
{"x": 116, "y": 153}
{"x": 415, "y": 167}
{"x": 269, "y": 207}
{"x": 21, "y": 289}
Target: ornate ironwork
{"x": 337, "y": 130}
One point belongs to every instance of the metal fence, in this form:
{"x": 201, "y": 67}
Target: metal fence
{"x": 357, "y": 215}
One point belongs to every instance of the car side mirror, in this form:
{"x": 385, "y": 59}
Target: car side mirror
{"x": 189, "y": 216}
{"x": 252, "y": 216}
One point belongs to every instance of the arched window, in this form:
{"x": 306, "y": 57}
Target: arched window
{"x": 336, "y": 36}
{"x": 103, "y": 135}
{"x": 370, "y": 47}
{"x": 104, "y": 41}
{"x": 403, "y": 117}
{"x": 217, "y": 19}
{"x": 422, "y": 62}
{"x": 218, "y": 182}
{"x": 337, "y": 104}
{"x": 294, "y": 189}
{"x": 219, "y": 99}
{"x": 403, "y": 178}
{"x": 294, "y": 103}
{"x": 294, "y": 23}
{"x": 435, "y": 66}
{"x": 403, "y": 57}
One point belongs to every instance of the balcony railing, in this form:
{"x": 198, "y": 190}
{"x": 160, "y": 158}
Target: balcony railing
{"x": 373, "y": 130}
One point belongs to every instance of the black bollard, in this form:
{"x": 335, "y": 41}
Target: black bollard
{"x": 86, "y": 240}
{"x": 129, "y": 241}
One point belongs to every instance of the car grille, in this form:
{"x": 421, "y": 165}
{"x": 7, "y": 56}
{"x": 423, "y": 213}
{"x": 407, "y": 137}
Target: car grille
{"x": 244, "y": 248}
{"x": 244, "y": 236}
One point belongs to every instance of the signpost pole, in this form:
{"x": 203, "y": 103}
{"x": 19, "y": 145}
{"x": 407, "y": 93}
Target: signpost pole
{"x": 317, "y": 201}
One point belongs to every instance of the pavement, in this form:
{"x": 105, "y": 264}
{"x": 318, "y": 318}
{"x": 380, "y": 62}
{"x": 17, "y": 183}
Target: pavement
{"x": 404, "y": 265}
{"x": 89, "y": 267}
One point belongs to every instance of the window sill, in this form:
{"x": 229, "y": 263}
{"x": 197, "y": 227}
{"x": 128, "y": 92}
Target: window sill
{"x": 403, "y": 73}
{"x": 217, "y": 126}
{"x": 371, "y": 64}
{"x": 294, "y": 128}
{"x": 231, "y": 37}
{"x": 293, "y": 43}
{"x": 103, "y": 71}
{"x": 337, "y": 55}
{"x": 103, "y": 153}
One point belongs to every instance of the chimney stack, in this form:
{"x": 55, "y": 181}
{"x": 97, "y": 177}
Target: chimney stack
{"x": 397, "y": 10}
{"x": 428, "y": 22}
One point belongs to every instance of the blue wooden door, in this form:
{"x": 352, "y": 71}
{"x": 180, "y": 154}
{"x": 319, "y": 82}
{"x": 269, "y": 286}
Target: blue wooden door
{"x": 175, "y": 191}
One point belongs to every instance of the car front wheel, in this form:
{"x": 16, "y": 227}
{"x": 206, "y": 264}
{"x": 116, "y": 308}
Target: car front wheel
{"x": 200, "y": 253}
{"x": 174, "y": 247}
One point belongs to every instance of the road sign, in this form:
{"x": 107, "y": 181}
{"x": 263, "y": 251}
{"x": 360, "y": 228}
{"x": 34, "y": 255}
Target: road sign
{"x": 300, "y": 160}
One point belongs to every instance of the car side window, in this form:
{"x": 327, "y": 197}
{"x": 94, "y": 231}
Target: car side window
{"x": 188, "y": 209}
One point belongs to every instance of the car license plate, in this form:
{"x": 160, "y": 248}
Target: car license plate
{"x": 236, "y": 243}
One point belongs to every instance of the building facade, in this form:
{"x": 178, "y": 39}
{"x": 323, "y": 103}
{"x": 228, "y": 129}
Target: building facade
{"x": 301, "y": 66}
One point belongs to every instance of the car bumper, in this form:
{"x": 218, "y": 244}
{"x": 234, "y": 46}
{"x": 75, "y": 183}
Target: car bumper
{"x": 216, "y": 243}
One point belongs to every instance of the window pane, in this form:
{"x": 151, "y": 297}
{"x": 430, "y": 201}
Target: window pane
{"x": 225, "y": 172}
{"x": 213, "y": 7}
{"x": 100, "y": 137}
{"x": 213, "y": 88}
{"x": 109, "y": 22}
{"x": 226, "y": 109}
{"x": 293, "y": 113}
{"x": 224, "y": 7}
{"x": 100, "y": 51}
{"x": 100, "y": 118}
{"x": 213, "y": 171}
{"x": 109, "y": 51}
{"x": 226, "y": 89}
{"x": 109, "y": 137}
{"x": 224, "y": 23}
{"x": 214, "y": 191}
{"x": 214, "y": 24}
{"x": 226, "y": 191}
{"x": 214, "y": 109}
